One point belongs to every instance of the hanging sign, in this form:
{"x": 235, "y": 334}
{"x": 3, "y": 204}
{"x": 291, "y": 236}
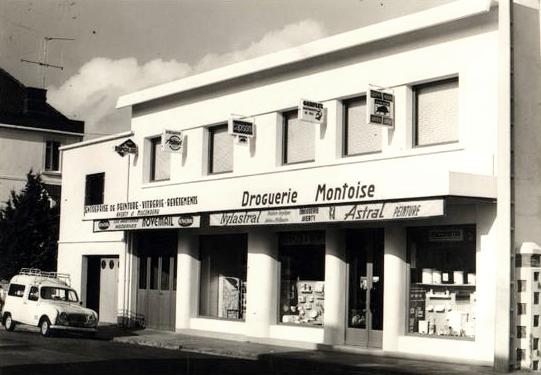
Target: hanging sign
{"x": 242, "y": 128}
{"x": 172, "y": 141}
{"x": 380, "y": 107}
{"x": 142, "y": 223}
{"x": 126, "y": 147}
{"x": 311, "y": 111}
{"x": 338, "y": 213}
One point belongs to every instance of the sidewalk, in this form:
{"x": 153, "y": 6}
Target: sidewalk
{"x": 295, "y": 360}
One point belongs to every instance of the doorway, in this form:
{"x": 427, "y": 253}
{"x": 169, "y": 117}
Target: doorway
{"x": 364, "y": 257}
{"x": 102, "y": 286}
{"x": 156, "y": 290}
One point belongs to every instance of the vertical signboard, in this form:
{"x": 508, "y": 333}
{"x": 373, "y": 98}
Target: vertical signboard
{"x": 311, "y": 111}
{"x": 380, "y": 107}
{"x": 172, "y": 141}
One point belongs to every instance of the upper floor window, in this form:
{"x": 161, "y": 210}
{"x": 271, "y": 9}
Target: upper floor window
{"x": 436, "y": 112}
{"x": 160, "y": 161}
{"x": 360, "y": 137}
{"x": 221, "y": 150}
{"x": 299, "y": 139}
{"x": 52, "y": 156}
{"x": 94, "y": 188}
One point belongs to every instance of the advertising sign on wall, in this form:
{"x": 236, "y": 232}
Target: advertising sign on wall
{"x": 380, "y": 107}
{"x": 172, "y": 141}
{"x": 242, "y": 128}
{"x": 142, "y": 223}
{"x": 338, "y": 213}
{"x": 311, "y": 111}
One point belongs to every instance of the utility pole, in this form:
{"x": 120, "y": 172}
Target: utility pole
{"x": 44, "y": 64}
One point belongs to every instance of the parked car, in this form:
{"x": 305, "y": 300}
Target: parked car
{"x": 46, "y": 300}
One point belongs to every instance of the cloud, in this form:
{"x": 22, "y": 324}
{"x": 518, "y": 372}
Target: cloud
{"x": 91, "y": 94}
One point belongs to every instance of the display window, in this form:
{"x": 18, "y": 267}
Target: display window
{"x": 302, "y": 275}
{"x": 223, "y": 276}
{"x": 442, "y": 293}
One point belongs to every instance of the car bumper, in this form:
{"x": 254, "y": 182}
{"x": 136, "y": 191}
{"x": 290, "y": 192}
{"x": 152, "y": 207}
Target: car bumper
{"x": 71, "y": 328}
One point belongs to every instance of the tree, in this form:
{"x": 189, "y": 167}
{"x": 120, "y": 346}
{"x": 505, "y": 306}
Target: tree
{"x": 28, "y": 229}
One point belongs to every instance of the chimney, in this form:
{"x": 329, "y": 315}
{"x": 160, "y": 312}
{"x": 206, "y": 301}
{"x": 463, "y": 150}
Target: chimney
{"x": 35, "y": 100}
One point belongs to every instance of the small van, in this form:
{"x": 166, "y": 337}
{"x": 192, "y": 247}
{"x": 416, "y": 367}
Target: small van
{"x": 45, "y": 300}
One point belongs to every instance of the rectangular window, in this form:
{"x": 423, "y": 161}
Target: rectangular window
{"x": 302, "y": 277}
{"x": 535, "y": 345}
{"x": 521, "y": 308}
{"x": 436, "y": 112}
{"x": 521, "y": 332}
{"x": 52, "y": 156}
{"x": 94, "y": 187}
{"x": 441, "y": 260}
{"x": 16, "y": 290}
{"x": 535, "y": 298}
{"x": 160, "y": 161}
{"x": 143, "y": 272}
{"x": 360, "y": 137}
{"x": 521, "y": 285}
{"x": 220, "y": 150}
{"x": 223, "y": 276}
{"x": 536, "y": 320}
{"x": 299, "y": 139}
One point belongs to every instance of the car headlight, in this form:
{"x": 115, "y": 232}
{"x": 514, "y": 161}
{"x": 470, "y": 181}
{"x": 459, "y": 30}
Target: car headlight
{"x": 62, "y": 319}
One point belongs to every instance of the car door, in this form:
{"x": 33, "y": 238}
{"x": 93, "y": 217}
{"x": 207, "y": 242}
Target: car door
{"x": 30, "y": 303}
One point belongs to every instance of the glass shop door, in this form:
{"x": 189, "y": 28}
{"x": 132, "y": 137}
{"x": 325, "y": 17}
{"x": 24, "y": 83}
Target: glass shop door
{"x": 364, "y": 255}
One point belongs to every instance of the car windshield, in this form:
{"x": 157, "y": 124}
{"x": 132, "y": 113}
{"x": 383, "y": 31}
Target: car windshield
{"x": 59, "y": 294}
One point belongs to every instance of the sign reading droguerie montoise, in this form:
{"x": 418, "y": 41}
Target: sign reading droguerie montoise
{"x": 142, "y": 223}
{"x": 338, "y": 213}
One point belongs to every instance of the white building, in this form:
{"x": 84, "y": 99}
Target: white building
{"x": 396, "y": 239}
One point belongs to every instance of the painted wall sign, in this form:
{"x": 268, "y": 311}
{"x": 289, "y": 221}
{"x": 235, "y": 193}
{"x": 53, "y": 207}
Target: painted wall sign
{"x": 311, "y": 111}
{"x": 172, "y": 141}
{"x": 141, "y": 208}
{"x": 126, "y": 147}
{"x": 239, "y": 127}
{"x": 380, "y": 107}
{"x": 143, "y": 223}
{"x": 337, "y": 213}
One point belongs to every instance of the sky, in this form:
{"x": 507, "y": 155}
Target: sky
{"x": 121, "y": 46}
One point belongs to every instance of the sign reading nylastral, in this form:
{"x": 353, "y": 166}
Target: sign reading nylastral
{"x": 153, "y": 222}
{"x": 311, "y": 111}
{"x": 240, "y": 127}
{"x": 172, "y": 141}
{"x": 380, "y": 107}
{"x": 338, "y": 213}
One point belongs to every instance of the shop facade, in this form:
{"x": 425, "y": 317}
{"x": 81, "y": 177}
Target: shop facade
{"x": 335, "y": 232}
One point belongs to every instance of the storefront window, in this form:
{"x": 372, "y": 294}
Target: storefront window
{"x": 223, "y": 276}
{"x": 302, "y": 286}
{"x": 442, "y": 294}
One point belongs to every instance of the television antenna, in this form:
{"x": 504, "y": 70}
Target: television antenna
{"x": 44, "y": 63}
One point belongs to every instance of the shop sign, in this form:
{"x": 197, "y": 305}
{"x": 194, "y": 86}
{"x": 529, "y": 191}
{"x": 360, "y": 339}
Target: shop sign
{"x": 337, "y": 213}
{"x": 241, "y": 128}
{"x": 140, "y": 208}
{"x": 380, "y": 107}
{"x": 311, "y": 111}
{"x": 144, "y": 223}
{"x": 172, "y": 141}
{"x": 126, "y": 147}
{"x": 446, "y": 235}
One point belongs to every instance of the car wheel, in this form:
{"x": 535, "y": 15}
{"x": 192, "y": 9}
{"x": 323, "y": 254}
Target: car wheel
{"x": 9, "y": 324}
{"x": 45, "y": 327}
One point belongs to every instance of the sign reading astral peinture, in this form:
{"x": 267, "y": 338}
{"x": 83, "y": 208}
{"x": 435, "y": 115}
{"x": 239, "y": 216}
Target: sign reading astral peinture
{"x": 336, "y": 213}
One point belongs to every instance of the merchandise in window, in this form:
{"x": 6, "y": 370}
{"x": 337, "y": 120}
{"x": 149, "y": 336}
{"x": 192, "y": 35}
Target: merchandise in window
{"x": 299, "y": 139}
{"x": 436, "y": 112}
{"x": 360, "y": 137}
{"x": 442, "y": 296}
{"x": 223, "y": 276}
{"x": 52, "y": 156}
{"x": 221, "y": 150}
{"x": 302, "y": 275}
{"x": 94, "y": 186}
{"x": 160, "y": 161}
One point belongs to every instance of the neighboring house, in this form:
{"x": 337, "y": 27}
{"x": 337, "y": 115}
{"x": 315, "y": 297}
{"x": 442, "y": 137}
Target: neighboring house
{"x": 31, "y": 132}
{"x": 390, "y": 240}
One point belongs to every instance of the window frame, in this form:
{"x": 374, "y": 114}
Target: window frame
{"x": 211, "y": 131}
{"x": 87, "y": 195}
{"x": 154, "y": 141}
{"x": 49, "y": 156}
{"x": 415, "y": 111}
{"x": 285, "y": 117}
{"x": 345, "y": 127}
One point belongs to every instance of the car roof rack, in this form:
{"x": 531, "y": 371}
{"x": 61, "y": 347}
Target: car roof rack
{"x": 65, "y": 277}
